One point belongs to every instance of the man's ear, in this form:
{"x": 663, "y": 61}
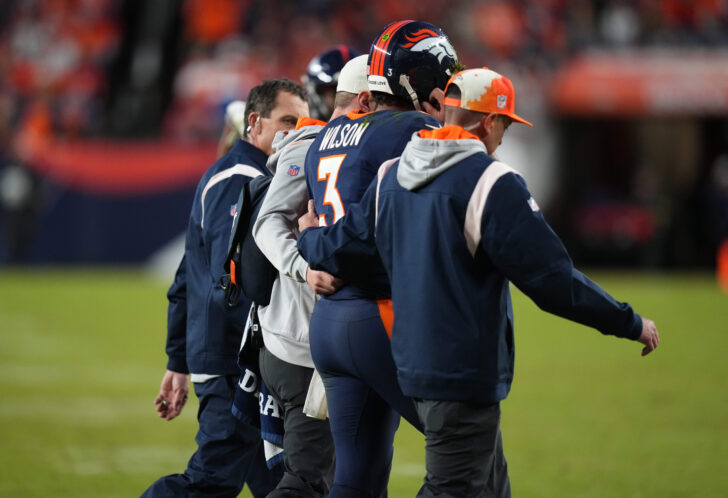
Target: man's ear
{"x": 488, "y": 123}
{"x": 365, "y": 101}
{"x": 253, "y": 120}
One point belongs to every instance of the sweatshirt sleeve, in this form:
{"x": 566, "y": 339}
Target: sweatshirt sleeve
{"x": 335, "y": 248}
{"x": 523, "y": 246}
{"x": 177, "y": 321}
{"x": 275, "y": 229}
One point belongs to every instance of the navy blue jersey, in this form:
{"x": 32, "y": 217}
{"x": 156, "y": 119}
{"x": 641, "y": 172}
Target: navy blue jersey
{"x": 340, "y": 165}
{"x": 347, "y": 153}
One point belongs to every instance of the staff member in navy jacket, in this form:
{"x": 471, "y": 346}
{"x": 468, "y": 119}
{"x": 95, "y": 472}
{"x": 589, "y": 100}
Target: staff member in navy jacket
{"x": 203, "y": 332}
{"x": 453, "y": 226}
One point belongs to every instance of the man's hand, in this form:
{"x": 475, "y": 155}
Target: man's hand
{"x": 173, "y": 394}
{"x": 308, "y": 220}
{"x": 437, "y": 96}
{"x": 649, "y": 337}
{"x": 322, "y": 282}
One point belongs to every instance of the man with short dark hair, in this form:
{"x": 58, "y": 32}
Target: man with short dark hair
{"x": 262, "y": 99}
{"x": 204, "y": 333}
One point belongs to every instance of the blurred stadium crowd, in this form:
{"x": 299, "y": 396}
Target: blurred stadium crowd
{"x": 130, "y": 69}
{"x": 69, "y": 65}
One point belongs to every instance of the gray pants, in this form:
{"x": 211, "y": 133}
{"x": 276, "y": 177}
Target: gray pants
{"x": 464, "y": 450}
{"x": 308, "y": 449}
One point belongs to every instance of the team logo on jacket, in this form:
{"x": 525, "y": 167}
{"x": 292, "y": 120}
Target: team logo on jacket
{"x": 426, "y": 40}
{"x": 293, "y": 170}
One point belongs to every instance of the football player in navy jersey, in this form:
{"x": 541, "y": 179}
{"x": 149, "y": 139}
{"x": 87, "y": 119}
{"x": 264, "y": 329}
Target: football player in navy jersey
{"x": 286, "y": 366}
{"x": 409, "y": 64}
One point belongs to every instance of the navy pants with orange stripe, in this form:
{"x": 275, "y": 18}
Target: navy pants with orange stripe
{"x": 351, "y": 351}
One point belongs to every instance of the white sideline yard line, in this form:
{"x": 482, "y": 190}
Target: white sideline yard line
{"x": 408, "y": 469}
{"x": 83, "y": 412}
{"x": 48, "y": 375}
{"x": 124, "y": 459}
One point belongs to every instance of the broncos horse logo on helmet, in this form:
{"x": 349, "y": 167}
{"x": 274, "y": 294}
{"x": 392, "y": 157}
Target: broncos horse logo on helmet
{"x": 409, "y": 59}
{"x": 426, "y": 40}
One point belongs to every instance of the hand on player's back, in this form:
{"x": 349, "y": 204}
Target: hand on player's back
{"x": 322, "y": 282}
{"x": 649, "y": 337}
{"x": 308, "y": 220}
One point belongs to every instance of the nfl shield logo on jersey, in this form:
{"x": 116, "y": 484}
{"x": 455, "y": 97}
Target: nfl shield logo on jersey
{"x": 293, "y": 170}
{"x": 501, "y": 103}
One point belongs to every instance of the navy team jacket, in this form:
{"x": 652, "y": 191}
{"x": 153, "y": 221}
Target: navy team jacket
{"x": 203, "y": 333}
{"x": 453, "y": 227}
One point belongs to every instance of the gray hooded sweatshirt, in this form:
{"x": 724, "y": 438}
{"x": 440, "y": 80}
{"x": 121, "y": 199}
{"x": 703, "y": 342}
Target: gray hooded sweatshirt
{"x": 285, "y": 320}
{"x": 424, "y": 159}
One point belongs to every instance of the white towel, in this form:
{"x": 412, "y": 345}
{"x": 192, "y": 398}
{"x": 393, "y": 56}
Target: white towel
{"x": 316, "y": 405}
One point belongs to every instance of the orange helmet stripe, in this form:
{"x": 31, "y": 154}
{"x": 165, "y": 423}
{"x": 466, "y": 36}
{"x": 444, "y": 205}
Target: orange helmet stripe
{"x": 377, "y": 64}
{"x": 377, "y": 55}
{"x": 377, "y": 52}
{"x": 385, "y": 45}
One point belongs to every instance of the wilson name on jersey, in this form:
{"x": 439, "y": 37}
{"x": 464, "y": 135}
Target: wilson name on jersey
{"x": 346, "y": 155}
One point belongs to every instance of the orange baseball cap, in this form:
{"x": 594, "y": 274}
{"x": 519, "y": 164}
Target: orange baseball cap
{"x": 484, "y": 90}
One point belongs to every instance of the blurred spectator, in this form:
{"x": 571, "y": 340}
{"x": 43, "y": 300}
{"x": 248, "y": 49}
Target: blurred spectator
{"x": 74, "y": 68}
{"x": 20, "y": 205}
{"x": 65, "y": 48}
{"x": 212, "y": 21}
{"x": 60, "y": 50}
{"x": 620, "y": 24}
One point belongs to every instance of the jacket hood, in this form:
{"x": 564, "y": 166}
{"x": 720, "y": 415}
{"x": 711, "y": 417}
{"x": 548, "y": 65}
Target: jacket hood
{"x": 284, "y": 138}
{"x": 424, "y": 159}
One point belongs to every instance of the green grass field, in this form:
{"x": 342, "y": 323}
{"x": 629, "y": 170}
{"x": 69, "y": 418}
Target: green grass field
{"x": 82, "y": 353}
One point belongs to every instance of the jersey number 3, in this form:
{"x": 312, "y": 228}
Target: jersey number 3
{"x": 328, "y": 169}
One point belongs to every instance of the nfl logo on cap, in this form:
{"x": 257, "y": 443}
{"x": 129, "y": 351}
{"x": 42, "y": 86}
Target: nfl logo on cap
{"x": 485, "y": 91}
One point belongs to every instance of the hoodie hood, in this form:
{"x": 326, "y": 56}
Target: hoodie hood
{"x": 426, "y": 157}
{"x": 284, "y": 138}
